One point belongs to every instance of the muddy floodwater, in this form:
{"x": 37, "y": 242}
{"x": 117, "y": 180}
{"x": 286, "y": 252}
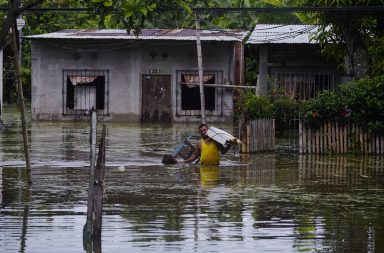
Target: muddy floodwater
{"x": 252, "y": 203}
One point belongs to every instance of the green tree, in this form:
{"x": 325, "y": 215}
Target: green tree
{"x": 136, "y": 14}
{"x": 348, "y": 36}
{"x": 247, "y": 19}
{"x": 38, "y": 23}
{"x": 283, "y": 18}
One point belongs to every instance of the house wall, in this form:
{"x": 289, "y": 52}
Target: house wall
{"x": 126, "y": 61}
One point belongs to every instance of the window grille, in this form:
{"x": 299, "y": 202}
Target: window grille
{"x": 84, "y": 90}
{"x": 304, "y": 85}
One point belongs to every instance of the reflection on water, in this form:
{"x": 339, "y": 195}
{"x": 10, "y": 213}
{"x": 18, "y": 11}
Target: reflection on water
{"x": 263, "y": 203}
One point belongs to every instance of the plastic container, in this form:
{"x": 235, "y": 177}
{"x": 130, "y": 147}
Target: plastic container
{"x": 221, "y": 136}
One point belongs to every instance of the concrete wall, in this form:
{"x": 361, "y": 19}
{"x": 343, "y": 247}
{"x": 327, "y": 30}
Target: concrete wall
{"x": 126, "y": 61}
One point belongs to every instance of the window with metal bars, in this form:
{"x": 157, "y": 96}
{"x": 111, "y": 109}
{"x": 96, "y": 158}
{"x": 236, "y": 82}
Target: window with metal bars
{"x": 84, "y": 90}
{"x": 303, "y": 85}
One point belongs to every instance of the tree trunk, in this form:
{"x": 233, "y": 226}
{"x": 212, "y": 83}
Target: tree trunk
{"x": 360, "y": 63}
{"x": 356, "y": 62}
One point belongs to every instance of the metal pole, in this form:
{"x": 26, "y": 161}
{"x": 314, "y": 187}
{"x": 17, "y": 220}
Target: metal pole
{"x": 200, "y": 67}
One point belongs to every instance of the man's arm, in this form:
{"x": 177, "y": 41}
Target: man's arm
{"x": 195, "y": 154}
{"x": 190, "y": 159}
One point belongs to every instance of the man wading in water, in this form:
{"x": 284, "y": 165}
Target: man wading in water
{"x": 208, "y": 149}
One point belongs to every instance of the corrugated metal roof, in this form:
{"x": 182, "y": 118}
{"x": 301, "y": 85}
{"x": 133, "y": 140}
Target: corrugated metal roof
{"x": 282, "y": 34}
{"x": 146, "y": 34}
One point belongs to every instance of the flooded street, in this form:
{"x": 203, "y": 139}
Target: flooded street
{"x": 252, "y": 203}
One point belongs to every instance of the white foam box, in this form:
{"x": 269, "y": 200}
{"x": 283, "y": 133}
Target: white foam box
{"x": 220, "y": 136}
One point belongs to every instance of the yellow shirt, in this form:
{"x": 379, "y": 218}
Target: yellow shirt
{"x": 209, "y": 153}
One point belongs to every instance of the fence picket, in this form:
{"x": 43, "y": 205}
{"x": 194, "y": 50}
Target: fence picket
{"x": 332, "y": 136}
{"x": 259, "y": 136}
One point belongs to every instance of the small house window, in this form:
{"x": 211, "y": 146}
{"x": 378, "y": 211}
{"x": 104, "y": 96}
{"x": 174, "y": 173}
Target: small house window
{"x": 85, "y": 90}
{"x": 190, "y": 92}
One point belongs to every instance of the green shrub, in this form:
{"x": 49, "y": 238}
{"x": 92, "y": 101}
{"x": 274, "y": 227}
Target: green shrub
{"x": 376, "y": 53}
{"x": 285, "y": 110}
{"x": 249, "y": 106}
{"x": 276, "y": 105}
{"x": 326, "y": 106}
{"x": 360, "y": 102}
{"x": 365, "y": 99}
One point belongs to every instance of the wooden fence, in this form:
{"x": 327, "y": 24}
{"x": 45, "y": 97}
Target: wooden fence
{"x": 332, "y": 137}
{"x": 257, "y": 135}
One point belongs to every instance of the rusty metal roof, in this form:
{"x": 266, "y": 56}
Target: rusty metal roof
{"x": 145, "y": 34}
{"x": 282, "y": 34}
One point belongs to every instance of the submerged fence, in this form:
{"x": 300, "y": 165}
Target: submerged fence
{"x": 332, "y": 137}
{"x": 257, "y": 135}
{"x": 338, "y": 170}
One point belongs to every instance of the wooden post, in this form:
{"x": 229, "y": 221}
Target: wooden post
{"x": 87, "y": 231}
{"x": 21, "y": 101}
{"x": 99, "y": 187}
{"x": 201, "y": 74}
{"x": 262, "y": 84}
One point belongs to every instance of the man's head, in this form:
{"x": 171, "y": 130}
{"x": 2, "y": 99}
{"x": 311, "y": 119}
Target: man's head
{"x": 203, "y": 128}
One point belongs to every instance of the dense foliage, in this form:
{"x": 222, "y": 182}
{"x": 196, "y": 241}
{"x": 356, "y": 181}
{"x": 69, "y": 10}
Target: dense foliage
{"x": 136, "y": 14}
{"x": 360, "y": 103}
{"x": 349, "y": 36}
{"x": 39, "y": 22}
{"x": 327, "y": 106}
{"x": 285, "y": 111}
{"x": 276, "y": 105}
{"x": 376, "y": 54}
{"x": 356, "y": 40}
{"x": 365, "y": 100}
{"x": 250, "y": 106}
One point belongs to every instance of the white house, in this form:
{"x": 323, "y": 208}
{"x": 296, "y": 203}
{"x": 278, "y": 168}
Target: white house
{"x": 150, "y": 78}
